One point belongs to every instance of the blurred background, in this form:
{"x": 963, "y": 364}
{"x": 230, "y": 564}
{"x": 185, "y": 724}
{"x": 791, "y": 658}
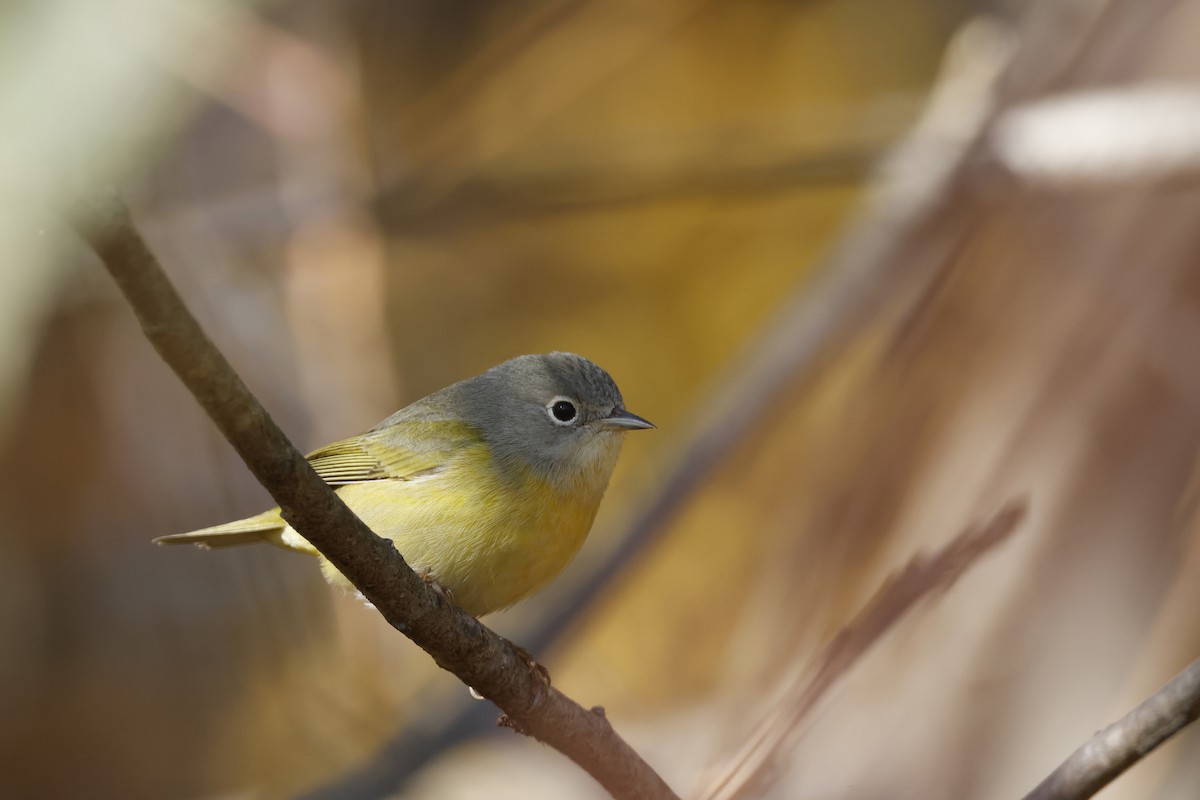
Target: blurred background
{"x": 915, "y": 258}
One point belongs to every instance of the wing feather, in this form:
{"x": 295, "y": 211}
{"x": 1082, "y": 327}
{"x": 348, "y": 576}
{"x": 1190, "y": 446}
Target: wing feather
{"x": 400, "y": 452}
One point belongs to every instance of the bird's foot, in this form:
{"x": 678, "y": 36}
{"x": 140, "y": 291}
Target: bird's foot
{"x": 532, "y": 665}
{"x": 438, "y": 589}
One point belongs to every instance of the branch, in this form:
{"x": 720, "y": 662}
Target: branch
{"x": 458, "y": 642}
{"x": 1121, "y": 745}
{"x": 761, "y": 760}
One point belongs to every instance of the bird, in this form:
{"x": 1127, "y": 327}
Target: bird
{"x": 488, "y": 487}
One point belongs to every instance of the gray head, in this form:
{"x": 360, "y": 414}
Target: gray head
{"x": 558, "y": 414}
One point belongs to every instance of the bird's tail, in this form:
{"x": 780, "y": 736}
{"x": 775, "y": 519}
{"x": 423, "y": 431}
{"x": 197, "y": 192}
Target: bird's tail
{"x": 267, "y": 527}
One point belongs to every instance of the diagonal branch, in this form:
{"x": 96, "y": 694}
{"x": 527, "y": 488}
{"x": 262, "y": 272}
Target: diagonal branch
{"x": 458, "y": 642}
{"x": 1100, "y": 759}
{"x": 760, "y": 761}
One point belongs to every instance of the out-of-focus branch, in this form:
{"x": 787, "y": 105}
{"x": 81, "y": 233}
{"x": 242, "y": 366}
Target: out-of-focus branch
{"x": 1121, "y": 745}
{"x": 886, "y": 259}
{"x": 760, "y": 759}
{"x": 457, "y": 641}
{"x": 487, "y": 199}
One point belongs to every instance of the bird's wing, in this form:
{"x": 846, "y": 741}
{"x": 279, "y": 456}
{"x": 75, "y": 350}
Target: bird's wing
{"x": 400, "y": 452}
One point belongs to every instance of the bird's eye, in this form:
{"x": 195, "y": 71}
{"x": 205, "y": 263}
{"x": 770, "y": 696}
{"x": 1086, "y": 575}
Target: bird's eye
{"x": 562, "y": 411}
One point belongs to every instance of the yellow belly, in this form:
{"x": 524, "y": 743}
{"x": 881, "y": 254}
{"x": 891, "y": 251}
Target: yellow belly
{"x": 490, "y": 546}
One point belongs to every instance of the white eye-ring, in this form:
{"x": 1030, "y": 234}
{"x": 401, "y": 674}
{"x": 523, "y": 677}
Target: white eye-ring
{"x": 562, "y": 411}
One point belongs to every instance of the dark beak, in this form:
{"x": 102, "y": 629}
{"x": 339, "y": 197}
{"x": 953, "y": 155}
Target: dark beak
{"x": 622, "y": 420}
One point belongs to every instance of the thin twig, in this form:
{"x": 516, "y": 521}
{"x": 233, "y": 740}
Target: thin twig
{"x": 457, "y": 641}
{"x": 761, "y": 759}
{"x": 1121, "y": 745}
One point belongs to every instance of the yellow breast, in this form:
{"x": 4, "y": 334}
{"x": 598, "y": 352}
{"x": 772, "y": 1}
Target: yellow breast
{"x": 490, "y": 539}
